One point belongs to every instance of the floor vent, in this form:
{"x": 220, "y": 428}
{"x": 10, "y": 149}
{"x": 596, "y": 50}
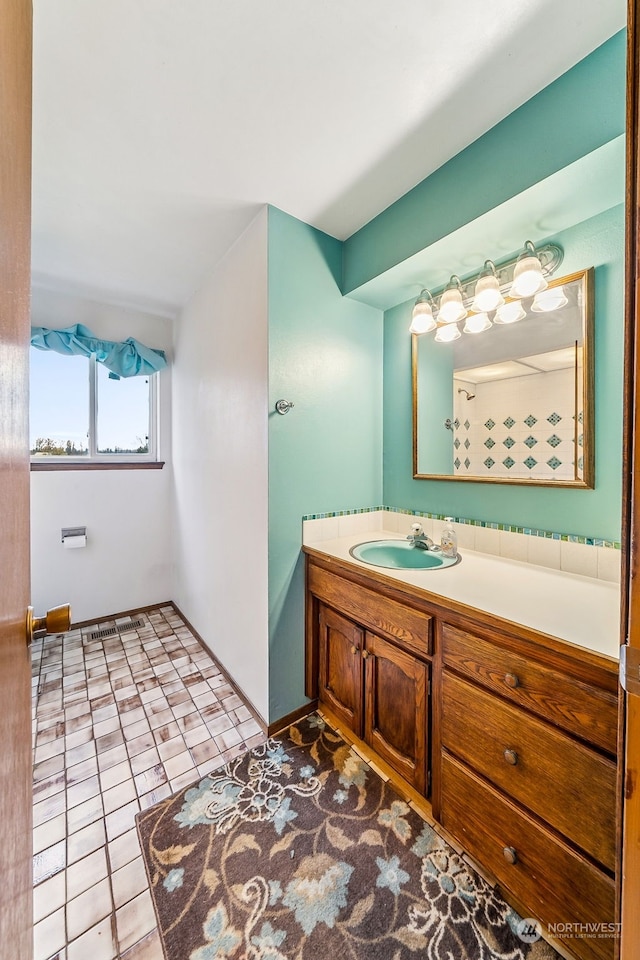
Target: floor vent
{"x": 114, "y": 631}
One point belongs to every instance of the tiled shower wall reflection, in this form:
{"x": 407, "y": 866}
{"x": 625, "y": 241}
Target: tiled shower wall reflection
{"x": 521, "y": 427}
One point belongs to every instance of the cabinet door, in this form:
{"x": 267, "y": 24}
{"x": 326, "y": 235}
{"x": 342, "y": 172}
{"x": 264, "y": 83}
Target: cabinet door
{"x": 397, "y": 686}
{"x": 341, "y": 644}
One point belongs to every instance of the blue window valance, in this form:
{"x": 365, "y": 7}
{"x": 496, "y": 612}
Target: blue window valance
{"x": 130, "y": 358}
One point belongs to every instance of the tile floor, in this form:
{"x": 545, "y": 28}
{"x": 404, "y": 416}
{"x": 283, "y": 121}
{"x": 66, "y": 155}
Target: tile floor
{"x": 118, "y": 724}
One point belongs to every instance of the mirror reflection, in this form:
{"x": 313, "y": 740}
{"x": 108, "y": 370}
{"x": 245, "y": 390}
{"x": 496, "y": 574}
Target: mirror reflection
{"x": 511, "y": 403}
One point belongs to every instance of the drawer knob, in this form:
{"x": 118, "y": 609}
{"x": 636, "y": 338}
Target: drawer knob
{"x": 511, "y": 757}
{"x": 365, "y": 654}
{"x": 510, "y": 854}
{"x": 354, "y": 649}
{"x": 511, "y": 680}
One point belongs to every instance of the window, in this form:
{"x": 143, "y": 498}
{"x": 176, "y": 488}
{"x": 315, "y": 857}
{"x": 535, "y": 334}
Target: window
{"x": 78, "y": 411}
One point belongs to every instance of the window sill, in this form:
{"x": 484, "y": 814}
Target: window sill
{"x": 46, "y": 466}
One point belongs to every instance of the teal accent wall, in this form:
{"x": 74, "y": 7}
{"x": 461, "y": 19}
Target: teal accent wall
{"x": 325, "y": 455}
{"x": 597, "y": 242}
{"x": 579, "y": 112}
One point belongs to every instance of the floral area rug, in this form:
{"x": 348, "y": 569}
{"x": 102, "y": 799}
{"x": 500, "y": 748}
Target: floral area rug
{"x": 298, "y": 850}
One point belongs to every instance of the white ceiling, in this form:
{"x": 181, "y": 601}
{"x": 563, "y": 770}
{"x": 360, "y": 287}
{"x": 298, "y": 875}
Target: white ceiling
{"x": 160, "y": 127}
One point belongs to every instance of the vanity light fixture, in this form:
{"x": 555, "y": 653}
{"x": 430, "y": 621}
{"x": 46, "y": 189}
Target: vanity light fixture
{"x": 452, "y": 308}
{"x": 548, "y": 300}
{"x": 447, "y": 332}
{"x": 528, "y": 278}
{"x": 477, "y": 323}
{"x": 422, "y": 316}
{"x": 510, "y": 312}
{"x": 521, "y": 277}
{"x": 487, "y": 293}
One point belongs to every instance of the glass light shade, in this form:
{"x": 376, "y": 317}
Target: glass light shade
{"x": 487, "y": 294}
{"x": 510, "y": 313}
{"x": 477, "y": 323}
{"x": 451, "y": 306}
{"x": 527, "y": 277}
{"x": 447, "y": 333}
{"x": 422, "y": 318}
{"x": 547, "y": 300}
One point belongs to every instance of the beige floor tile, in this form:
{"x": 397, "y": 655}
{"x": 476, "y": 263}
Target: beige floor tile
{"x": 124, "y": 849}
{"x": 147, "y": 949}
{"x": 118, "y": 796}
{"x": 121, "y": 820}
{"x": 128, "y": 882}
{"x": 49, "y": 833}
{"x": 49, "y": 936}
{"x": 172, "y": 748}
{"x": 174, "y": 766}
{"x": 185, "y": 779}
{"x": 49, "y": 896}
{"x": 85, "y": 873}
{"x": 85, "y": 841}
{"x": 49, "y": 862}
{"x": 115, "y": 775}
{"x": 135, "y": 920}
{"x": 84, "y": 814}
{"x": 98, "y": 943}
{"x": 89, "y": 908}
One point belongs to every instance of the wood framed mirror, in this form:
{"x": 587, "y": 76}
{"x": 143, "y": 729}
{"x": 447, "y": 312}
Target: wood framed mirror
{"x": 514, "y": 403}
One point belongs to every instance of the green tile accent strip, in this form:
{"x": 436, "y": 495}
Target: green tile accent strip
{"x": 528, "y": 531}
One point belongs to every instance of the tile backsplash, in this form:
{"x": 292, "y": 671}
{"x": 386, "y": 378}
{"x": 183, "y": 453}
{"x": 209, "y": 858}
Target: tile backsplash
{"x": 586, "y": 556}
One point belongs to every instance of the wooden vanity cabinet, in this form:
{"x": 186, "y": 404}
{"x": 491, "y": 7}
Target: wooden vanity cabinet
{"x": 374, "y": 675}
{"x": 527, "y": 773}
{"x": 523, "y": 748}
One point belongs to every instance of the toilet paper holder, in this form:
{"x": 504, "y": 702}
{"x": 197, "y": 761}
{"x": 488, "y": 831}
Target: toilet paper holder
{"x": 73, "y": 536}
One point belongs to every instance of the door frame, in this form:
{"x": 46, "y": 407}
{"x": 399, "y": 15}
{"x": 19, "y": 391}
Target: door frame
{"x": 628, "y": 819}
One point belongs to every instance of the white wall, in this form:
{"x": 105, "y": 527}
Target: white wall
{"x": 220, "y": 396}
{"x": 127, "y": 560}
{"x": 126, "y": 563}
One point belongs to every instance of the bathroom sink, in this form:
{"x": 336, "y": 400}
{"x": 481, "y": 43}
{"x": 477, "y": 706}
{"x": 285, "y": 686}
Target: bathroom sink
{"x": 400, "y": 555}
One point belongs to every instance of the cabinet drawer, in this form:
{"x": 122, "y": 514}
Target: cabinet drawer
{"x": 552, "y": 881}
{"x": 589, "y": 712}
{"x": 562, "y": 781}
{"x": 392, "y": 620}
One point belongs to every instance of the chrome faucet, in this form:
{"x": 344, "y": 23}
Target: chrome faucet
{"x": 419, "y": 537}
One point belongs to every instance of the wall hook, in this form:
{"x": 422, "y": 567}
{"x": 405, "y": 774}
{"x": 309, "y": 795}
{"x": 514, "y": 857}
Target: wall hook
{"x": 283, "y": 406}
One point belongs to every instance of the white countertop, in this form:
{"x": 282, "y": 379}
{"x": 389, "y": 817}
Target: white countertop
{"x": 579, "y": 610}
